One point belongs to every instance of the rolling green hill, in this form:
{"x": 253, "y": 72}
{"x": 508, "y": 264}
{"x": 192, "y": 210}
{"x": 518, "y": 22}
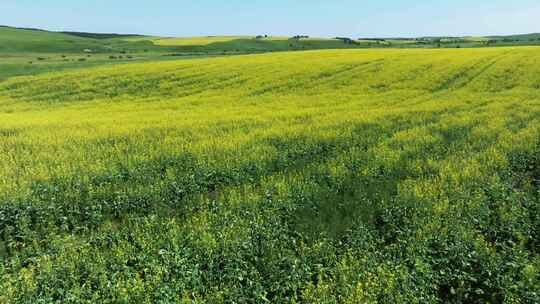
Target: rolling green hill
{"x": 14, "y": 40}
{"x": 20, "y": 41}
{"x": 334, "y": 176}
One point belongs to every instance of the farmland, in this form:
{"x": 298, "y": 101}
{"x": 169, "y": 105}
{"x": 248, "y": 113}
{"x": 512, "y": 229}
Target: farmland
{"x": 329, "y": 176}
{"x": 34, "y": 51}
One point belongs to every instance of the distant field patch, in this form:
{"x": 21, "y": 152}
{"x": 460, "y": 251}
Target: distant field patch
{"x": 184, "y": 41}
{"x": 476, "y": 39}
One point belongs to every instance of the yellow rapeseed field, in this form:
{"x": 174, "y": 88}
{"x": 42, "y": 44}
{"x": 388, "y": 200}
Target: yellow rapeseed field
{"x": 345, "y": 176}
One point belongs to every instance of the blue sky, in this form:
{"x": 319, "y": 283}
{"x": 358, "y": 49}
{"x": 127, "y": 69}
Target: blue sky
{"x": 278, "y": 17}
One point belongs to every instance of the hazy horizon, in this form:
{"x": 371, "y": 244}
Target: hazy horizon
{"x": 315, "y": 18}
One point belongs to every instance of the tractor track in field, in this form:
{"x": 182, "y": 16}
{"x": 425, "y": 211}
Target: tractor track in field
{"x": 468, "y": 74}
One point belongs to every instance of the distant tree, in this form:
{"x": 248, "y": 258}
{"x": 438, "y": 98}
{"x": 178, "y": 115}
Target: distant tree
{"x": 346, "y": 40}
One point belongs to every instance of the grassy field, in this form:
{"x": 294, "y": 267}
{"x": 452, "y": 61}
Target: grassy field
{"x": 38, "y": 63}
{"x": 336, "y": 176}
{"x": 13, "y": 40}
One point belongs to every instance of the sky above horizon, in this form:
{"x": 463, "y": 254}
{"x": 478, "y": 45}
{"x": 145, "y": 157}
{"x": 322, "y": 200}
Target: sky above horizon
{"x": 382, "y": 18}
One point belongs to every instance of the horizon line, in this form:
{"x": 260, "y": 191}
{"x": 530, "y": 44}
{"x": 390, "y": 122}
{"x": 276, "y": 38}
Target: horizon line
{"x": 366, "y": 37}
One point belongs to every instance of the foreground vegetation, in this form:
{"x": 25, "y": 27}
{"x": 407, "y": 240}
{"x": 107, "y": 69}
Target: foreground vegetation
{"x": 350, "y": 176}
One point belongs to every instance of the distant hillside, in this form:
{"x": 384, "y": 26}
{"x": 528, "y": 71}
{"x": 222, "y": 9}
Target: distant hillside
{"x": 28, "y": 40}
{"x": 521, "y": 37}
{"x": 23, "y": 28}
{"x": 100, "y": 35}
{"x": 17, "y": 40}
{"x": 22, "y": 40}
